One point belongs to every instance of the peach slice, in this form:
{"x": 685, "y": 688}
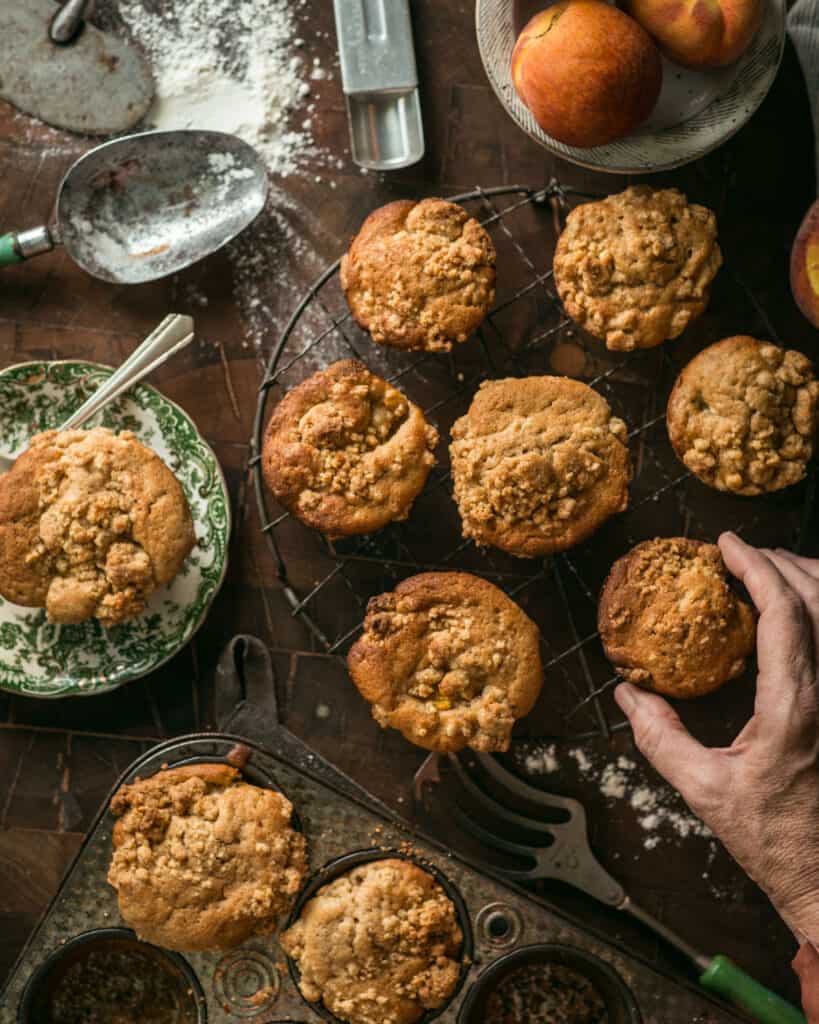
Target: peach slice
{"x": 805, "y": 265}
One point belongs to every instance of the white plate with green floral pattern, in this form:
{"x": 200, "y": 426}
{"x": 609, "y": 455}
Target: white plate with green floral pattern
{"x": 40, "y": 659}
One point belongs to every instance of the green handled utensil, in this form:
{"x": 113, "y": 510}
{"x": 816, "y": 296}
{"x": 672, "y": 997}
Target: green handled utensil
{"x": 145, "y": 206}
{"x": 566, "y": 856}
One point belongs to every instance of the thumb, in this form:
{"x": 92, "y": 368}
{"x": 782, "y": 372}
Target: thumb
{"x": 665, "y": 742}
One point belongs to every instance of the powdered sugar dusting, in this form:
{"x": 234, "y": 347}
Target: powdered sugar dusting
{"x": 659, "y": 810}
{"x": 229, "y": 65}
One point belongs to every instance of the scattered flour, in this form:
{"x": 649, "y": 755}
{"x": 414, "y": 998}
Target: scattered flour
{"x": 229, "y": 65}
{"x": 542, "y": 762}
{"x": 659, "y": 811}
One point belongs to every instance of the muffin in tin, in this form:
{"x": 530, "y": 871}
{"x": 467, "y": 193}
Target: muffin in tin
{"x": 203, "y": 860}
{"x": 379, "y": 944}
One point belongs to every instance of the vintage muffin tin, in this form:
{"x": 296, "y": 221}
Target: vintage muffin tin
{"x": 343, "y": 826}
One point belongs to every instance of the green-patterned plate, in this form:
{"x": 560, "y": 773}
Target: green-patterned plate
{"x": 40, "y": 659}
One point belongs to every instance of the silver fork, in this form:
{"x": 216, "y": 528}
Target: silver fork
{"x": 566, "y": 856}
{"x": 173, "y": 334}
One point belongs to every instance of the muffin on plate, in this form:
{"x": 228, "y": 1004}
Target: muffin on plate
{"x": 91, "y": 524}
{"x": 669, "y": 620}
{"x": 380, "y": 944}
{"x": 743, "y": 415}
{"x": 203, "y": 860}
{"x": 449, "y": 660}
{"x": 420, "y": 275}
{"x": 634, "y": 269}
{"x": 346, "y": 452}
{"x": 538, "y": 464}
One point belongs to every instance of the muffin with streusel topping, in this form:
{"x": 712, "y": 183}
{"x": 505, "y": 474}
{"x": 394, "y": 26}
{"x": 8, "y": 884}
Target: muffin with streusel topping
{"x": 420, "y": 275}
{"x": 743, "y": 415}
{"x": 346, "y": 452}
{"x": 203, "y": 860}
{"x": 634, "y": 269}
{"x": 538, "y": 464}
{"x": 669, "y": 620}
{"x": 449, "y": 660}
{"x": 380, "y": 944}
{"x": 91, "y": 524}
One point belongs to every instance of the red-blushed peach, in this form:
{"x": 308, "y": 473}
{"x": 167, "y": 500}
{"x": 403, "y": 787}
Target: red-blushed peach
{"x": 588, "y": 73}
{"x": 805, "y": 265}
{"x": 699, "y": 33}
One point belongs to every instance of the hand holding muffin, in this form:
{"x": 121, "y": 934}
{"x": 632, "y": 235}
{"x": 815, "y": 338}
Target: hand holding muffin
{"x": 772, "y": 763}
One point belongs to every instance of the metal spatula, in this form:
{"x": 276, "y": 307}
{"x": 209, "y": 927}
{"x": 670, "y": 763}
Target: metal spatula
{"x": 564, "y": 854}
{"x": 58, "y": 67}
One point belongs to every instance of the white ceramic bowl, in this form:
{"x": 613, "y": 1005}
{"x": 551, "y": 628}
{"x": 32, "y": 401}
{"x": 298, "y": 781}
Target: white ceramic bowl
{"x": 696, "y": 112}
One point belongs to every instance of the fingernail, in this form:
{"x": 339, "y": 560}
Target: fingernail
{"x": 624, "y": 695}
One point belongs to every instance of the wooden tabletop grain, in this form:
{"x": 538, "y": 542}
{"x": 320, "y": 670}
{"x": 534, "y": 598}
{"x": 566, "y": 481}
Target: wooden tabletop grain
{"x": 58, "y": 760}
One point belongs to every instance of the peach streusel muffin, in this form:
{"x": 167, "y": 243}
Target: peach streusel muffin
{"x": 347, "y": 452}
{"x": 91, "y": 523}
{"x": 538, "y": 463}
{"x": 634, "y": 269}
{"x": 378, "y": 945}
{"x": 203, "y": 860}
{"x": 420, "y": 275}
{"x": 449, "y": 660}
{"x": 743, "y": 415}
{"x": 670, "y": 622}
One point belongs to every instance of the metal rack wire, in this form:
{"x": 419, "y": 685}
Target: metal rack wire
{"x": 526, "y": 332}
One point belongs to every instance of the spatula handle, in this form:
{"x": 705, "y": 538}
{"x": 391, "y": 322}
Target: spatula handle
{"x": 724, "y": 978}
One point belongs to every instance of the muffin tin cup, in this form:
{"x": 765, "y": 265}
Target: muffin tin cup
{"x": 34, "y": 1005}
{"x": 340, "y": 866}
{"x": 621, "y": 1006}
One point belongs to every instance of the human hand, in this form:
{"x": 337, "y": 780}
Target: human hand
{"x": 760, "y": 796}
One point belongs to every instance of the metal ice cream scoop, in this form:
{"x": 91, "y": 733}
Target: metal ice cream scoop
{"x": 148, "y": 205}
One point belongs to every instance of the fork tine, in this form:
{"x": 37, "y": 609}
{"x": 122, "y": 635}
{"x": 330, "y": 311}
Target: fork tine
{"x": 498, "y": 810}
{"x": 505, "y": 778}
{"x": 490, "y": 839}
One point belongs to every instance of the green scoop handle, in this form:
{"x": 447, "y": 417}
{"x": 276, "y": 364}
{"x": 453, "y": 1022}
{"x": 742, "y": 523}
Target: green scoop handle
{"x": 17, "y": 246}
{"x": 724, "y": 978}
{"x": 9, "y": 253}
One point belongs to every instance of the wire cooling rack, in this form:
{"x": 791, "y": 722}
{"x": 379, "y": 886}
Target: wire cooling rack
{"x": 328, "y": 583}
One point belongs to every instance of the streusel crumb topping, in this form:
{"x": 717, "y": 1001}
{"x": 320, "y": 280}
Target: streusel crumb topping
{"x": 346, "y": 451}
{"x": 635, "y": 268}
{"x": 420, "y": 275}
{"x": 534, "y": 456}
{"x": 744, "y": 414}
{"x": 98, "y": 522}
{"x": 378, "y": 945}
{"x": 203, "y": 860}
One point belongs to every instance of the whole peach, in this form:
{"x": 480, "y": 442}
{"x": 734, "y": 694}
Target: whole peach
{"x": 699, "y": 33}
{"x": 588, "y": 73}
{"x": 805, "y": 265}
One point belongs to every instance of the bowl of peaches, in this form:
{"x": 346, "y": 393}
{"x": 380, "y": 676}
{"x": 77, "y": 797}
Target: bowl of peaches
{"x": 634, "y": 86}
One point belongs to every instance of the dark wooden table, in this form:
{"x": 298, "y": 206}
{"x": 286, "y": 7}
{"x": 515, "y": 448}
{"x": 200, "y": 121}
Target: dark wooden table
{"x": 59, "y": 759}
